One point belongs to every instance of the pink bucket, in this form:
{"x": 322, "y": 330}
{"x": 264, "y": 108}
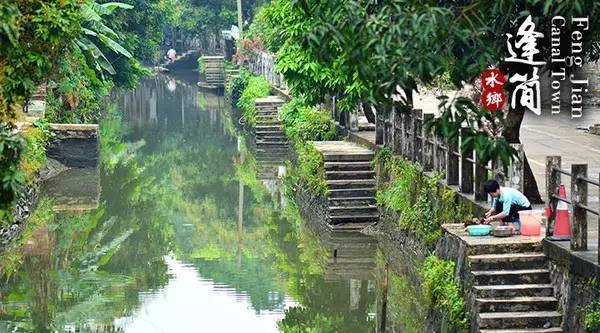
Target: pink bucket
{"x": 531, "y": 222}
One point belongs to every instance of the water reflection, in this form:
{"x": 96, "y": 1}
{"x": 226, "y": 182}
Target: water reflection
{"x": 188, "y": 235}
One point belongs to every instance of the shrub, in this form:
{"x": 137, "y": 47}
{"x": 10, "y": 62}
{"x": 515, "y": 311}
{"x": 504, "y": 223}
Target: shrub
{"x": 592, "y": 316}
{"x": 257, "y": 87}
{"x": 442, "y": 292}
{"x": 423, "y": 203}
{"x": 201, "y": 65}
{"x": 21, "y": 156}
{"x": 11, "y": 178}
{"x": 304, "y": 123}
{"x": 310, "y": 167}
{"x": 236, "y": 86}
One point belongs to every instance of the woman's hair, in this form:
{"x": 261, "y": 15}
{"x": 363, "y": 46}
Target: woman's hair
{"x": 491, "y": 186}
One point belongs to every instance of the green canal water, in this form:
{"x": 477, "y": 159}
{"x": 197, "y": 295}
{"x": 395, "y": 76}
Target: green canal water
{"x": 179, "y": 230}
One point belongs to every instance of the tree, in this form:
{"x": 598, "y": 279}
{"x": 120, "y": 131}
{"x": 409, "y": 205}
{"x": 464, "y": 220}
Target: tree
{"x": 378, "y": 50}
{"x": 33, "y": 35}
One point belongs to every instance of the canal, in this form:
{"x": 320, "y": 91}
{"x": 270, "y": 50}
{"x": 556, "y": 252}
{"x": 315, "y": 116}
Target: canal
{"x": 183, "y": 228}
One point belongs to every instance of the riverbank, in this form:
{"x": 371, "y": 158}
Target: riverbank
{"x": 407, "y": 251}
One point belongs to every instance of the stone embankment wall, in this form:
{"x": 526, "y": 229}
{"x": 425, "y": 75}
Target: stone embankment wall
{"x": 74, "y": 146}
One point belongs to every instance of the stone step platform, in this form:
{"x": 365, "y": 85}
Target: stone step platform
{"x": 353, "y": 192}
{"x": 352, "y": 201}
{"x": 350, "y": 183}
{"x": 507, "y": 261}
{"x": 527, "y": 330}
{"x": 512, "y": 290}
{"x": 517, "y": 304}
{"x": 521, "y": 276}
{"x": 361, "y": 174}
{"x": 348, "y": 166}
{"x": 519, "y": 320}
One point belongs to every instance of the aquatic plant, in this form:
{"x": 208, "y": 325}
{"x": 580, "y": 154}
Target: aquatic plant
{"x": 443, "y": 292}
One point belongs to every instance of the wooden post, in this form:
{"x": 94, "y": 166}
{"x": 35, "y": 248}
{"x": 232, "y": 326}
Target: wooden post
{"x": 599, "y": 223}
{"x": 452, "y": 163}
{"x": 466, "y": 169}
{"x": 579, "y": 194}
{"x": 552, "y": 185}
{"x": 427, "y": 147}
{"x": 417, "y": 129}
{"x": 404, "y": 147}
{"x": 480, "y": 178}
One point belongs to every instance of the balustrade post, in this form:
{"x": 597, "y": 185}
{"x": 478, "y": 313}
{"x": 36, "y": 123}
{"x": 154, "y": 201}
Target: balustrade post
{"x": 452, "y": 163}
{"x": 466, "y": 168}
{"x": 480, "y": 178}
{"x": 427, "y": 148}
{"x": 553, "y": 180}
{"x": 579, "y": 194}
{"x": 416, "y": 129}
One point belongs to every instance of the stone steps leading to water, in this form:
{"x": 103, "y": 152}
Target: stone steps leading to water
{"x": 512, "y": 290}
{"x": 271, "y": 142}
{"x": 350, "y": 183}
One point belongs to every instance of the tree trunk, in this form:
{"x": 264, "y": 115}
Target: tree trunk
{"x": 512, "y": 134}
{"x": 368, "y": 111}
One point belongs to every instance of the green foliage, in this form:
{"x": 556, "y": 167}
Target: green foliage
{"x": 76, "y": 95}
{"x": 201, "y": 65}
{"x": 310, "y": 168}
{"x": 423, "y": 203}
{"x": 481, "y": 130}
{"x": 443, "y": 292}
{"x": 11, "y": 150}
{"x": 592, "y": 316}
{"x": 33, "y": 36}
{"x": 304, "y": 123}
{"x": 257, "y": 87}
{"x": 34, "y": 154}
{"x": 236, "y": 87}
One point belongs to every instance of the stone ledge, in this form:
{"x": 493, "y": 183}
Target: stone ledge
{"x": 74, "y": 127}
{"x": 579, "y": 263}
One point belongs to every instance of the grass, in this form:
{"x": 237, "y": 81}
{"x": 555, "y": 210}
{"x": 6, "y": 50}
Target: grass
{"x": 304, "y": 124}
{"x": 423, "y": 203}
{"x": 443, "y": 292}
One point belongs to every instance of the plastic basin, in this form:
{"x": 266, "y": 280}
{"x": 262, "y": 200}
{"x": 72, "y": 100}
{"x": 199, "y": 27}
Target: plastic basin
{"x": 479, "y": 230}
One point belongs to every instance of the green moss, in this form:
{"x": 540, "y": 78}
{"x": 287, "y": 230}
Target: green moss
{"x": 443, "y": 292}
{"x": 257, "y": 87}
{"x": 424, "y": 205}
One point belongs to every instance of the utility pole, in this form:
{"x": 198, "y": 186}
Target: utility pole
{"x": 240, "y": 17}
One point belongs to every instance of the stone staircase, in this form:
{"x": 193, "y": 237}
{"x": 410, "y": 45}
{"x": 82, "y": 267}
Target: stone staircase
{"x": 214, "y": 70}
{"x": 513, "y": 291}
{"x": 351, "y": 184}
{"x": 271, "y": 142}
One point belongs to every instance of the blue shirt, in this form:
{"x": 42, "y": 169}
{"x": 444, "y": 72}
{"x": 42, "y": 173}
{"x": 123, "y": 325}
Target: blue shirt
{"x": 509, "y": 196}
